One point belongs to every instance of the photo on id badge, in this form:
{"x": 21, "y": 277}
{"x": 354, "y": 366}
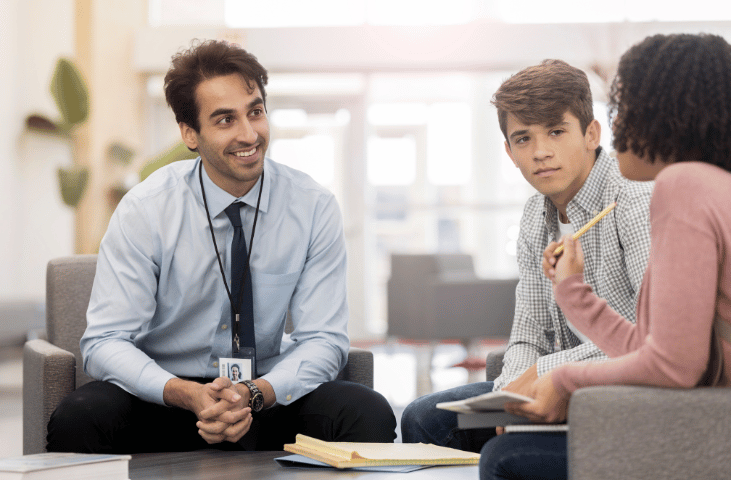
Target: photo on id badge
{"x": 237, "y": 369}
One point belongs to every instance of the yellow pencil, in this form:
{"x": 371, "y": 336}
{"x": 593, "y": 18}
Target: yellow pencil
{"x": 586, "y": 227}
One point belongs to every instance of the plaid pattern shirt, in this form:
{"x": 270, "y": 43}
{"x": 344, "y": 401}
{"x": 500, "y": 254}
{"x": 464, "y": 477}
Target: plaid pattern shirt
{"x": 615, "y": 257}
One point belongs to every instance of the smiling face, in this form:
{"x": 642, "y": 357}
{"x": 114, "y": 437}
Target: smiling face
{"x": 555, "y": 160}
{"x": 234, "y": 132}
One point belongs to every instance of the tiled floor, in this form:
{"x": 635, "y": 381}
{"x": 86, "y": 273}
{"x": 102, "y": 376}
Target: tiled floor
{"x": 401, "y": 373}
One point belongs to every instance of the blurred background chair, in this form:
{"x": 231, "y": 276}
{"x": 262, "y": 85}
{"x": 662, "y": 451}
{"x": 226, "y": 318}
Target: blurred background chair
{"x": 636, "y": 433}
{"x": 21, "y": 321}
{"x": 53, "y": 368}
{"x": 439, "y": 297}
{"x": 435, "y": 297}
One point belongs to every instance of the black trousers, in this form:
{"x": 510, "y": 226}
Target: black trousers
{"x": 100, "y": 417}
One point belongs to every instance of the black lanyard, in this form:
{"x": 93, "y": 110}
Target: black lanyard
{"x": 236, "y": 308}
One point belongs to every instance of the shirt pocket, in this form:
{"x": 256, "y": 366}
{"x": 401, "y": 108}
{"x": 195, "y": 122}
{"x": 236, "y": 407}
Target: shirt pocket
{"x": 272, "y": 294}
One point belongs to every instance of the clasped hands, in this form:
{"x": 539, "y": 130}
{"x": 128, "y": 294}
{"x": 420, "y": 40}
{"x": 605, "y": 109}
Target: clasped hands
{"x": 223, "y": 413}
{"x": 549, "y": 405}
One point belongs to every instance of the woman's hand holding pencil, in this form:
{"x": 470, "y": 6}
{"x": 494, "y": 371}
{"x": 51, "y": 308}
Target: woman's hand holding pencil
{"x": 570, "y": 262}
{"x": 565, "y": 258}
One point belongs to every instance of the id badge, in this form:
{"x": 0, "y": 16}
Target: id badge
{"x": 238, "y": 369}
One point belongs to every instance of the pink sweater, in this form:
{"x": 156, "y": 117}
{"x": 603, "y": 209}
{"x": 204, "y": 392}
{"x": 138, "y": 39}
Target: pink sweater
{"x": 687, "y": 281}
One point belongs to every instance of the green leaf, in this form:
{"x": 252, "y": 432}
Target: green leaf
{"x": 120, "y": 152}
{"x": 177, "y": 152}
{"x": 73, "y": 182}
{"x": 70, "y": 93}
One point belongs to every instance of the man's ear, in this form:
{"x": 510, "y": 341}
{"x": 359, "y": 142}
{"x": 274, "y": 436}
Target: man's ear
{"x": 593, "y": 135}
{"x": 189, "y": 136}
{"x": 510, "y": 153}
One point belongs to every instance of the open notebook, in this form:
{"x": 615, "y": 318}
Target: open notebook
{"x": 352, "y": 454}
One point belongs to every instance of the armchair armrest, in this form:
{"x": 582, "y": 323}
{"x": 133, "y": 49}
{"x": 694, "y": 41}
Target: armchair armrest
{"x": 359, "y": 368}
{"x": 494, "y": 364}
{"x": 48, "y": 376}
{"x": 643, "y": 432}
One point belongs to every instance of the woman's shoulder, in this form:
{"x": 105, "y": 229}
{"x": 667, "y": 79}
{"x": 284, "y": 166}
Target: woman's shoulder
{"x": 688, "y": 178}
{"x": 691, "y": 190}
{"x": 693, "y": 172}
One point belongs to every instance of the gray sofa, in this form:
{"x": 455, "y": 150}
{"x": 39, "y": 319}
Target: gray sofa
{"x": 52, "y": 368}
{"x": 641, "y": 433}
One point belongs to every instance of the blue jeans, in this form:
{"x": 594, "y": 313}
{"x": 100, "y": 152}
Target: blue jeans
{"x": 524, "y": 456}
{"x": 423, "y": 422}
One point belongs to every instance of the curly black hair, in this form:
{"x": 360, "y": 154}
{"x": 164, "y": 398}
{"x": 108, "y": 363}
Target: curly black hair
{"x": 671, "y": 99}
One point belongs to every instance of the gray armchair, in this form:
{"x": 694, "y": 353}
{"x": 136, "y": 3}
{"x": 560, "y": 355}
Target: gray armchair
{"x": 439, "y": 296}
{"x": 53, "y": 368}
{"x": 636, "y": 433}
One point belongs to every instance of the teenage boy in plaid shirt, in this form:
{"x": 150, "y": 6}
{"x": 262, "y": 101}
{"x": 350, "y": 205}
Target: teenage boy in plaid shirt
{"x": 546, "y": 115}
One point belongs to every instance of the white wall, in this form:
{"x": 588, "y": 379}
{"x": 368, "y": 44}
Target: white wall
{"x": 8, "y": 134}
{"x": 36, "y": 226}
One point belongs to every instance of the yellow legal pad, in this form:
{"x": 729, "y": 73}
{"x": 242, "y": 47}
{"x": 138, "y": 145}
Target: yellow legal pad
{"x": 353, "y": 454}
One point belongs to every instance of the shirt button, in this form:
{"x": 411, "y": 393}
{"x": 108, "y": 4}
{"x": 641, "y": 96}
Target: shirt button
{"x": 289, "y": 397}
{"x": 594, "y": 212}
{"x": 215, "y": 364}
{"x": 224, "y": 327}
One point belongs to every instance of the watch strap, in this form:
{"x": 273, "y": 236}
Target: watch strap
{"x": 254, "y": 391}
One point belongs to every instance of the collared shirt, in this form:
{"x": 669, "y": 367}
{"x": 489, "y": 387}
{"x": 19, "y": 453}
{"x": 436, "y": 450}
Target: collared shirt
{"x": 159, "y": 307}
{"x": 563, "y": 230}
{"x": 615, "y": 257}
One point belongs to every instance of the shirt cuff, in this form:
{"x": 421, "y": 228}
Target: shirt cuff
{"x": 286, "y": 387}
{"x": 544, "y": 365}
{"x": 151, "y": 389}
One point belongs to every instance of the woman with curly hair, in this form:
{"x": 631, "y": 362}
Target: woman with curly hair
{"x": 671, "y": 109}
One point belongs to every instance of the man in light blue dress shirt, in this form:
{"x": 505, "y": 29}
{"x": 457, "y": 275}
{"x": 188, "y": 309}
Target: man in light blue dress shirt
{"x": 159, "y": 324}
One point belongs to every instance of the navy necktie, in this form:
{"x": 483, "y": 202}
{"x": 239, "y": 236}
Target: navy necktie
{"x": 241, "y": 296}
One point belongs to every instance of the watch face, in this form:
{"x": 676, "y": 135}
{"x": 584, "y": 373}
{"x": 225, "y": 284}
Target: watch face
{"x": 257, "y": 402}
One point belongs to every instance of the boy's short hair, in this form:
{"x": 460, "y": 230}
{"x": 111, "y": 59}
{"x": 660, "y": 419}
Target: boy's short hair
{"x": 203, "y": 61}
{"x": 543, "y": 93}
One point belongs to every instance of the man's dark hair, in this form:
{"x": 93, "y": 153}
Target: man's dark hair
{"x": 203, "y": 61}
{"x": 542, "y": 94}
{"x": 671, "y": 99}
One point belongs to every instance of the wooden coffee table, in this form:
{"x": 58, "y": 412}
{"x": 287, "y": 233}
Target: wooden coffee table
{"x": 215, "y": 464}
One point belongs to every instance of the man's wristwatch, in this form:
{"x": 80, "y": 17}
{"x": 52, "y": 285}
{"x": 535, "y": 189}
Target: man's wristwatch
{"x": 256, "y": 399}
